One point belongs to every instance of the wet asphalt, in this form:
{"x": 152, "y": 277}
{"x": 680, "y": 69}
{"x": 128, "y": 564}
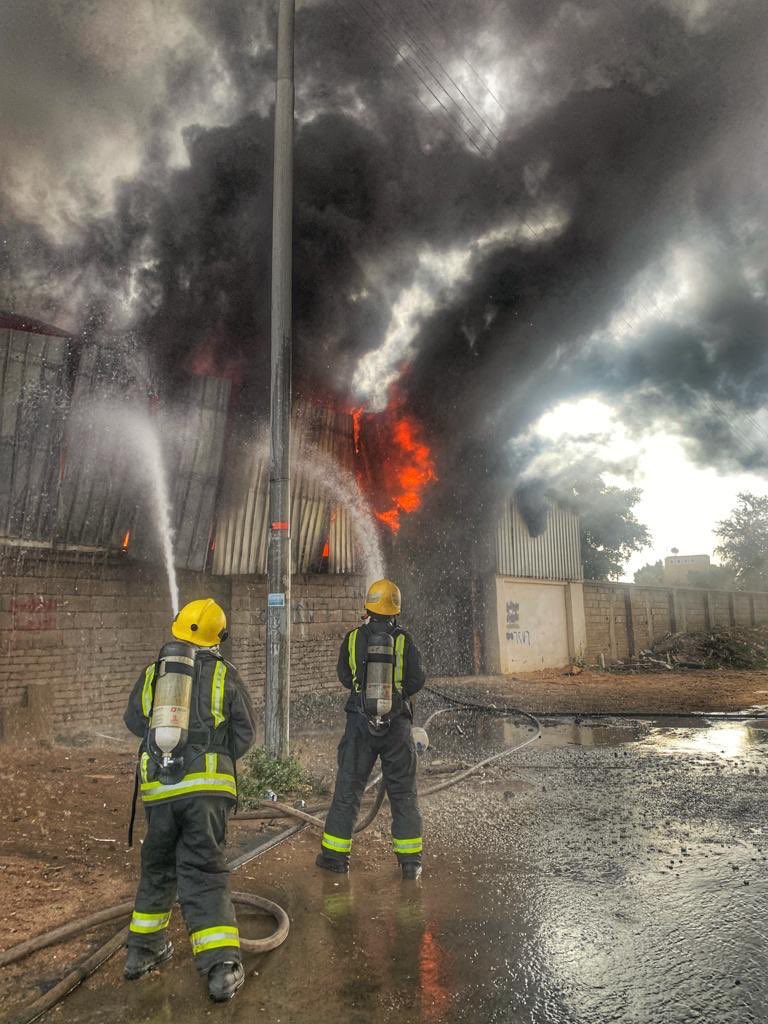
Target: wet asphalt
{"x": 615, "y": 871}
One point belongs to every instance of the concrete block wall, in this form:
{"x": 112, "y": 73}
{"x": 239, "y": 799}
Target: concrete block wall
{"x": 623, "y": 618}
{"x": 79, "y": 630}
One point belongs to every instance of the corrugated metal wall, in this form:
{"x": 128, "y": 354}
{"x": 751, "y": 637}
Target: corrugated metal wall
{"x": 67, "y": 481}
{"x": 196, "y": 474}
{"x": 242, "y": 531}
{"x": 33, "y": 405}
{"x": 97, "y": 503}
{"x": 554, "y": 555}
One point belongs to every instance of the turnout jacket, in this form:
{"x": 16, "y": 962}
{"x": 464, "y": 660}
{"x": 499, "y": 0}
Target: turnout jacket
{"x": 409, "y": 674}
{"x": 221, "y": 730}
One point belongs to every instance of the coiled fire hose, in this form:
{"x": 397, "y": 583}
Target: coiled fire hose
{"x": 272, "y": 809}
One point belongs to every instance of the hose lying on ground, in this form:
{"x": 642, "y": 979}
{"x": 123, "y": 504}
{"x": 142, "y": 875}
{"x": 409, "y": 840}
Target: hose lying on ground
{"x": 284, "y": 810}
{"x": 112, "y": 945}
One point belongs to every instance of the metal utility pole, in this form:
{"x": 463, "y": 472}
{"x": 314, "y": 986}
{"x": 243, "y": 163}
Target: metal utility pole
{"x": 278, "y": 684}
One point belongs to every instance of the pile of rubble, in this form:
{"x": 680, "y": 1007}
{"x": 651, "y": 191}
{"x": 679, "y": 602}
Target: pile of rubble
{"x": 715, "y": 648}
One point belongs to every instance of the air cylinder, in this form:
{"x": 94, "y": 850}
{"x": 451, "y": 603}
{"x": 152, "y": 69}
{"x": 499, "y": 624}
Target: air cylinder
{"x": 379, "y": 674}
{"x": 169, "y": 726}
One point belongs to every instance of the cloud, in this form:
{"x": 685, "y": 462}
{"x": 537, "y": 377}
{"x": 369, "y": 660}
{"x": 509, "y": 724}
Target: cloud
{"x": 489, "y": 199}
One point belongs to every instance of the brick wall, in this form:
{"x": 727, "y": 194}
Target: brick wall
{"x": 83, "y": 629}
{"x": 623, "y": 618}
{"x": 324, "y": 608}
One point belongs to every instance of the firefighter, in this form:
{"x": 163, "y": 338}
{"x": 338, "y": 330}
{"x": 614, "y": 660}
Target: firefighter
{"x": 188, "y": 796}
{"x": 370, "y": 734}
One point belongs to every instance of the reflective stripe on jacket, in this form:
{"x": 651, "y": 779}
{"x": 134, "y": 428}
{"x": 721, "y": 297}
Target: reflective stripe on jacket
{"x": 221, "y": 729}
{"x": 408, "y": 676}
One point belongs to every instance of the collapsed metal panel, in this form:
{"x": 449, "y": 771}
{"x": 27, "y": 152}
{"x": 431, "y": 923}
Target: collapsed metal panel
{"x": 33, "y": 389}
{"x": 555, "y": 554}
{"x": 321, "y": 530}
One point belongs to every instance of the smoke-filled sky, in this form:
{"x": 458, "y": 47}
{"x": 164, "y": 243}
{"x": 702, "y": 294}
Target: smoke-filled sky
{"x": 501, "y": 206}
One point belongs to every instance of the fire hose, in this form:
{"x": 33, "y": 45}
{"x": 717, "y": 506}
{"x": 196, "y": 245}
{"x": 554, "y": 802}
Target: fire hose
{"x": 81, "y": 971}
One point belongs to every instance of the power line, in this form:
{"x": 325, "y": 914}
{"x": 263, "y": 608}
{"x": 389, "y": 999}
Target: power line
{"x": 404, "y": 59}
{"x": 429, "y": 8}
{"x": 522, "y": 221}
{"x": 430, "y": 54}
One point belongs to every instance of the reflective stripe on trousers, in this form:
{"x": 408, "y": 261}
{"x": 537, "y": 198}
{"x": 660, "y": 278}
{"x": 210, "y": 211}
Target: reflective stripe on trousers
{"x": 146, "y": 924}
{"x": 214, "y": 938}
{"x": 336, "y": 843}
{"x": 407, "y": 845}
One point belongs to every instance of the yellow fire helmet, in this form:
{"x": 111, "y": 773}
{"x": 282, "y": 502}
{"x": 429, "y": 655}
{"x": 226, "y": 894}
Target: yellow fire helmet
{"x": 383, "y": 598}
{"x": 201, "y": 622}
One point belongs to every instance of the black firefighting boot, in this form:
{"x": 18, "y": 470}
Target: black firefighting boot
{"x": 224, "y": 980}
{"x": 411, "y": 870}
{"x": 339, "y": 865}
{"x": 140, "y": 960}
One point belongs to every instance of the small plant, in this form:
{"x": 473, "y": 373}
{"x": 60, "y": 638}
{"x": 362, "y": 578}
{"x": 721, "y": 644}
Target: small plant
{"x": 261, "y": 773}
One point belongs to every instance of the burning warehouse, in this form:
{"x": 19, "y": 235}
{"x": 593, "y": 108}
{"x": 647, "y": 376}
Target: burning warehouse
{"x": 108, "y": 477}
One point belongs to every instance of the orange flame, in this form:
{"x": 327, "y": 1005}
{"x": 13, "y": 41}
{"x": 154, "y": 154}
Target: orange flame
{"x": 410, "y": 469}
{"x": 326, "y": 550}
{"x": 357, "y": 415}
{"x": 126, "y": 540}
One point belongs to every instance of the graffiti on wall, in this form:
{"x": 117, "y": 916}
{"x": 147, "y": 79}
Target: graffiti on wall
{"x": 515, "y": 634}
{"x": 34, "y": 612}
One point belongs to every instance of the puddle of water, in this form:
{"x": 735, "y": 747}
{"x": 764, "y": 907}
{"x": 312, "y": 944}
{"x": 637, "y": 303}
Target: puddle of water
{"x": 728, "y": 740}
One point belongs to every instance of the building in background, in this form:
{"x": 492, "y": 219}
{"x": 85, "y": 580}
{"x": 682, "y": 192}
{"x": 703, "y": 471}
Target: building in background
{"x": 679, "y": 568}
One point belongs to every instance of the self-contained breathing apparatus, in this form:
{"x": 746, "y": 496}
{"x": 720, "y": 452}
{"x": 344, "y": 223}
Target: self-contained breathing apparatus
{"x": 379, "y": 680}
{"x": 168, "y": 730}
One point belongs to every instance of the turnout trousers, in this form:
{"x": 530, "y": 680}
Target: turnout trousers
{"x": 357, "y": 755}
{"x": 183, "y": 852}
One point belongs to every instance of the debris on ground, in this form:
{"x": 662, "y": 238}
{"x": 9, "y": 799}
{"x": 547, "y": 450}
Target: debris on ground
{"x": 720, "y": 647}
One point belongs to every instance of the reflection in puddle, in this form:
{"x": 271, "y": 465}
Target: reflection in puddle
{"x": 726, "y": 739}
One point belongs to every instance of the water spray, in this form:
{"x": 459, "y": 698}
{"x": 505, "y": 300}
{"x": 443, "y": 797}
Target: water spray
{"x": 125, "y": 429}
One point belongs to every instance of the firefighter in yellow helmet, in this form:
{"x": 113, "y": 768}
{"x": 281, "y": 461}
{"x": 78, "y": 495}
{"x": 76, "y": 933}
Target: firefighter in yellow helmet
{"x": 380, "y": 665}
{"x": 194, "y": 716}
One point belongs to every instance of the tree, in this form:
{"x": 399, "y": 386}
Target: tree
{"x": 716, "y": 577}
{"x": 651, "y": 574}
{"x": 610, "y": 532}
{"x": 744, "y": 549}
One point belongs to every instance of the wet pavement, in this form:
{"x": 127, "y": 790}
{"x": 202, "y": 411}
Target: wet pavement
{"x": 615, "y": 871}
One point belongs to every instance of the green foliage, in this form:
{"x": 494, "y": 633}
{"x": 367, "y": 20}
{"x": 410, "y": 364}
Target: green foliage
{"x": 744, "y": 548}
{"x": 651, "y": 575}
{"x": 716, "y": 577}
{"x": 262, "y": 772}
{"x": 610, "y": 532}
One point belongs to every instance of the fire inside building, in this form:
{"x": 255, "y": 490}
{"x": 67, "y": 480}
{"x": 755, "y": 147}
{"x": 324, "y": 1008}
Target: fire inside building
{"x": 81, "y": 528}
{"x": 112, "y": 483}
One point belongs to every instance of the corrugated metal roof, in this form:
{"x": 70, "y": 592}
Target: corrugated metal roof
{"x": 554, "y": 555}
{"x": 16, "y": 322}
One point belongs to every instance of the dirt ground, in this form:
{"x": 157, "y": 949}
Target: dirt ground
{"x": 605, "y": 692}
{"x": 65, "y": 808}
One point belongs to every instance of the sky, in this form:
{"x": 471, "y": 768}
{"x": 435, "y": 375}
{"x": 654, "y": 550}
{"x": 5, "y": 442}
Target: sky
{"x": 503, "y": 210}
{"x": 681, "y": 502}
